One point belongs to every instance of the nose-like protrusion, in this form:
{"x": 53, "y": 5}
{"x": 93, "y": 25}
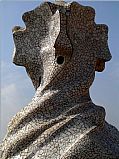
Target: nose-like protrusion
{"x": 63, "y": 46}
{"x": 18, "y": 57}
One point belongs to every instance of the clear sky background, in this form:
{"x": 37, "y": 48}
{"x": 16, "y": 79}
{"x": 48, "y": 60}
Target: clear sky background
{"x": 16, "y": 87}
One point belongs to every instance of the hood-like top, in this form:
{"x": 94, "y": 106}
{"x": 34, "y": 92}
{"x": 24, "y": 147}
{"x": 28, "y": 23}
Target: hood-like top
{"x": 60, "y": 40}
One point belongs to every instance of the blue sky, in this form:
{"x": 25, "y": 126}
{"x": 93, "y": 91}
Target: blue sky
{"x": 16, "y": 87}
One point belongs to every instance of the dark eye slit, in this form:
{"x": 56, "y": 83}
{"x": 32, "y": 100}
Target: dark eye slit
{"x": 39, "y": 82}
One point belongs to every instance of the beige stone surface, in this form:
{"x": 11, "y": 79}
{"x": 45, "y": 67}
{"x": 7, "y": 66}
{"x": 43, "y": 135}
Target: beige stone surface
{"x": 61, "y": 48}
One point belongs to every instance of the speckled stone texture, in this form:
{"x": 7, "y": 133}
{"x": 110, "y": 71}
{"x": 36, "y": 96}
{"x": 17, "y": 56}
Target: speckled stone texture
{"x": 61, "y": 48}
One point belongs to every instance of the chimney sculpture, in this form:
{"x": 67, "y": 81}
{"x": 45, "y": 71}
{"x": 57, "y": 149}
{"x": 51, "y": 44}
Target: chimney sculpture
{"x": 61, "y": 48}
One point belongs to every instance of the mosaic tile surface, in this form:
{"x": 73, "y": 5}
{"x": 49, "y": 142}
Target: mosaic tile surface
{"x": 61, "y": 48}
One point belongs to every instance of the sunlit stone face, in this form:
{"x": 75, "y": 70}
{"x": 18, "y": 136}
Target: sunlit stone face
{"x": 58, "y": 38}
